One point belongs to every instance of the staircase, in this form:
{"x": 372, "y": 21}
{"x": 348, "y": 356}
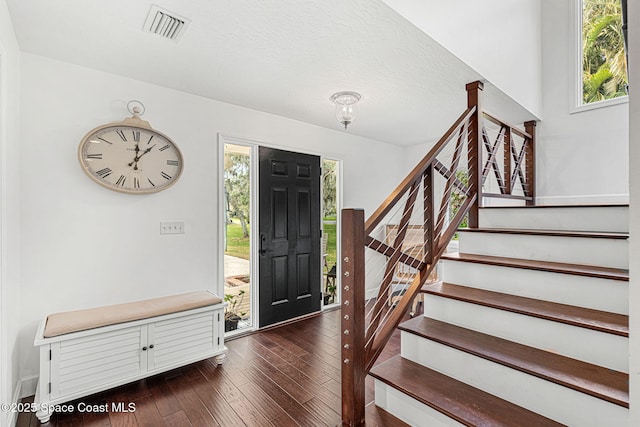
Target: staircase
{"x": 527, "y": 327}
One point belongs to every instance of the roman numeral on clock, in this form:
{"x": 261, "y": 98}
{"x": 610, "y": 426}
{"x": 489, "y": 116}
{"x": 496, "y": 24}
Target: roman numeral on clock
{"x": 164, "y": 148}
{"x": 151, "y": 182}
{"x": 97, "y": 156}
{"x": 136, "y": 135}
{"x": 121, "y": 135}
{"x": 172, "y": 163}
{"x": 136, "y": 182}
{"x": 165, "y": 176}
{"x": 121, "y": 180}
{"x": 103, "y": 173}
{"x": 104, "y": 140}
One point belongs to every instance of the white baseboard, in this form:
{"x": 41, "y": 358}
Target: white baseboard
{"x": 13, "y": 415}
{"x": 590, "y": 199}
{"x": 25, "y": 387}
{"x": 11, "y": 418}
{"x": 28, "y": 386}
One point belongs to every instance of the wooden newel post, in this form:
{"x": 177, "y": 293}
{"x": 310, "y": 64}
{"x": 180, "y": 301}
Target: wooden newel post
{"x": 530, "y": 162}
{"x": 353, "y": 326}
{"x": 474, "y": 99}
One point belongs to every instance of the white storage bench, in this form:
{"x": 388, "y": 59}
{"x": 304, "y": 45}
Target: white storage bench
{"x": 87, "y": 351}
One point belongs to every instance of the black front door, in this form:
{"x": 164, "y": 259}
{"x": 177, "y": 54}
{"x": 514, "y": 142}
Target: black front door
{"x": 289, "y": 268}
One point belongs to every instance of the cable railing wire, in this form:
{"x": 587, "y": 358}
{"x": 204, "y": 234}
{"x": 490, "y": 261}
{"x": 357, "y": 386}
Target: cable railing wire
{"x": 391, "y": 270}
{"x": 376, "y": 315}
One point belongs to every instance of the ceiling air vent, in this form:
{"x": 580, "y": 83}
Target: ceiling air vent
{"x": 165, "y": 23}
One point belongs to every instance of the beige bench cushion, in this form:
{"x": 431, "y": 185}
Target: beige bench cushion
{"x": 80, "y": 320}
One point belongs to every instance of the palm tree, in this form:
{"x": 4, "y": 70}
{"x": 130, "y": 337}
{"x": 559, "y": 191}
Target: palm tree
{"x": 604, "y": 60}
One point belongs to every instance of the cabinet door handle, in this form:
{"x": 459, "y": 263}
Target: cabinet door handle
{"x": 144, "y": 348}
{"x": 151, "y": 346}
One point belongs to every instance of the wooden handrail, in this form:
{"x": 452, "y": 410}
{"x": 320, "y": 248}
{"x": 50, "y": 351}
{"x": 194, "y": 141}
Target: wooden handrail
{"x": 492, "y": 118}
{"x": 416, "y": 173}
{"x": 365, "y": 335}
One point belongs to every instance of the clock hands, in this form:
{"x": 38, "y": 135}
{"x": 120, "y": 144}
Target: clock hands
{"x": 146, "y": 151}
{"x": 137, "y": 158}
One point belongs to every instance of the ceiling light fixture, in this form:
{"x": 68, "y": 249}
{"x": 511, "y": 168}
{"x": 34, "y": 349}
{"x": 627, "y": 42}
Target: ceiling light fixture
{"x": 345, "y": 106}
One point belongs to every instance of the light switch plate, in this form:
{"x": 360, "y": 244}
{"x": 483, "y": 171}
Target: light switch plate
{"x": 171, "y": 227}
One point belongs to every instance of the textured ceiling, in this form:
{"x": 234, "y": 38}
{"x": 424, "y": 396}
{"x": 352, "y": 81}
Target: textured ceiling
{"x": 285, "y": 57}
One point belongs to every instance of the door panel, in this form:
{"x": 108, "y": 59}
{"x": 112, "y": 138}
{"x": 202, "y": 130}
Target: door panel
{"x": 304, "y": 213}
{"x": 280, "y": 199}
{"x": 289, "y": 265}
{"x": 279, "y": 279}
{"x": 304, "y": 273}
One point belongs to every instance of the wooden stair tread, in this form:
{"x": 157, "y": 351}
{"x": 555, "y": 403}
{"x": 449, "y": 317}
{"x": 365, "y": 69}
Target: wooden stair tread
{"x": 595, "y": 205}
{"x": 462, "y": 402}
{"x": 555, "y": 233}
{"x": 612, "y": 323}
{"x": 556, "y": 267}
{"x": 597, "y": 381}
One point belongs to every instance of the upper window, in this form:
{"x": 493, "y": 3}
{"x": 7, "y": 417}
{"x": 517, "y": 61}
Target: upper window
{"x": 604, "y": 63}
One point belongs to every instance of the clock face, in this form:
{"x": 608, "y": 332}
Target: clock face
{"x": 130, "y": 159}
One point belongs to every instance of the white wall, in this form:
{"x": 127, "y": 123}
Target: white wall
{"x": 9, "y": 212}
{"x": 582, "y": 157}
{"x": 498, "y": 39}
{"x": 84, "y": 246}
{"x": 634, "y": 211}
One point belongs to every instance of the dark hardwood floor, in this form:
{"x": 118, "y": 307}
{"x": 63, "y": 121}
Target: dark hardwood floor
{"x": 286, "y": 376}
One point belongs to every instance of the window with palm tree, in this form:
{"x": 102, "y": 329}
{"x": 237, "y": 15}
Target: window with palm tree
{"x": 604, "y": 62}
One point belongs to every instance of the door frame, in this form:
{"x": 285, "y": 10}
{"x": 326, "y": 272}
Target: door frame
{"x": 255, "y": 214}
{"x": 253, "y": 226}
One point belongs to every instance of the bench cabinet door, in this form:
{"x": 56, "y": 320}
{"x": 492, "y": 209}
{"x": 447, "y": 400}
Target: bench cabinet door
{"x": 97, "y": 361}
{"x": 184, "y": 339}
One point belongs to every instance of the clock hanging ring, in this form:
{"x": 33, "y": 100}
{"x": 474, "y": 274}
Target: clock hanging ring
{"x": 130, "y": 156}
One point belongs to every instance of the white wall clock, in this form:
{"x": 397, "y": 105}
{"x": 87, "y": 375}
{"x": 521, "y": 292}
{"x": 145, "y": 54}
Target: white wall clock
{"x": 130, "y": 156}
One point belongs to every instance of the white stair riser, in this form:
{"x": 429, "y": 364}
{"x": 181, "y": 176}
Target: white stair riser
{"x": 574, "y": 250}
{"x": 554, "y": 401}
{"x": 590, "y": 292}
{"x": 592, "y": 218}
{"x": 409, "y": 409}
{"x": 584, "y": 344}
